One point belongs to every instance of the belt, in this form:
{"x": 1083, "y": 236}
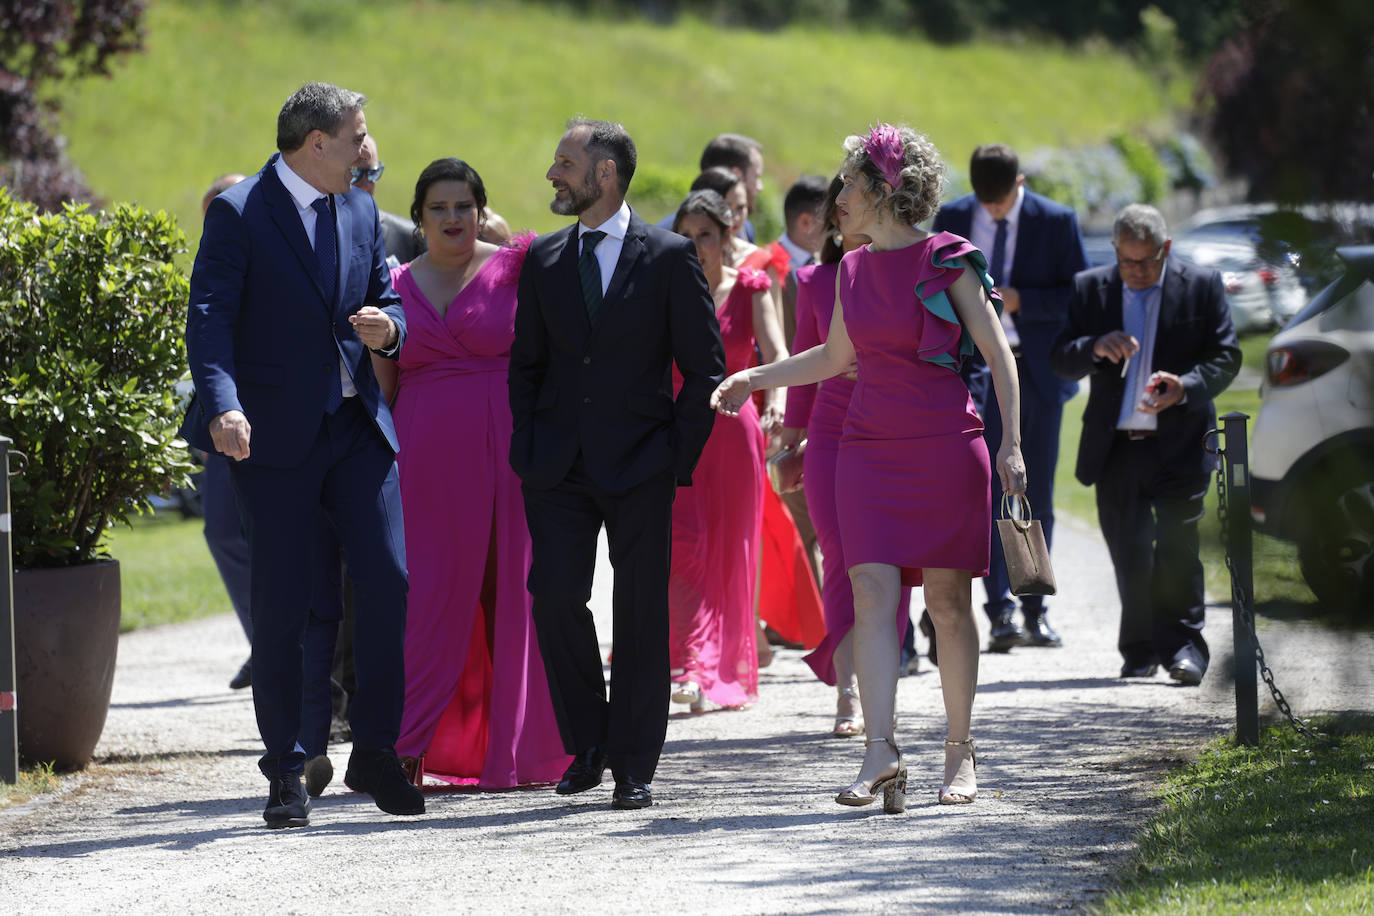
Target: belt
{"x": 1135, "y": 435}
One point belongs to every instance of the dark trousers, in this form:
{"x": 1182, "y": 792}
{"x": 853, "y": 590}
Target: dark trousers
{"x": 1040, "y": 422}
{"x": 1149, "y": 520}
{"x": 564, "y": 521}
{"x": 350, "y": 475}
{"x": 225, "y": 538}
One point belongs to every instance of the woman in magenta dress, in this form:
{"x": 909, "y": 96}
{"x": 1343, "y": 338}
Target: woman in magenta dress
{"x": 818, "y": 411}
{"x": 716, "y": 521}
{"x": 911, "y": 478}
{"x": 477, "y": 708}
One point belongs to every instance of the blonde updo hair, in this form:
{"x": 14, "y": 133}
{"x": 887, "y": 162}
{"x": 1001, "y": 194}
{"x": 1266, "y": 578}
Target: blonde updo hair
{"x": 922, "y": 178}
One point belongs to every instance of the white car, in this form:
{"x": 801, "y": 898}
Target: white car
{"x": 1312, "y": 447}
{"x": 1242, "y": 274}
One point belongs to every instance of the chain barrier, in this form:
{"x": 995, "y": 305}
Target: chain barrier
{"x": 1242, "y": 601}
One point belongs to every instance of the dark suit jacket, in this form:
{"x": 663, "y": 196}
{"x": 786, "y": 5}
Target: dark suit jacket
{"x": 607, "y": 391}
{"x": 398, "y": 235}
{"x": 1195, "y": 340}
{"x": 260, "y": 335}
{"x": 1049, "y": 251}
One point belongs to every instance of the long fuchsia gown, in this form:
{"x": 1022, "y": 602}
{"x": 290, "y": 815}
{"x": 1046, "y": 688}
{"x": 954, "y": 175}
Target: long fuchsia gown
{"x": 477, "y": 701}
{"x": 716, "y": 529}
{"x": 912, "y": 475}
{"x": 821, "y": 409}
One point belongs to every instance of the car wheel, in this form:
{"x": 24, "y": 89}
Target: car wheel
{"x": 1336, "y": 548}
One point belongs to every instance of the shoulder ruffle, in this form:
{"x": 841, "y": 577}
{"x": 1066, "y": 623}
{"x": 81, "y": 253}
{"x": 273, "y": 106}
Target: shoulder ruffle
{"x": 780, "y": 260}
{"x": 753, "y": 279}
{"x": 507, "y": 261}
{"x": 949, "y": 349}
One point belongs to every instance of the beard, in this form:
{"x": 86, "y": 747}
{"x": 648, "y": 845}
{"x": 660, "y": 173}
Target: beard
{"x": 579, "y": 198}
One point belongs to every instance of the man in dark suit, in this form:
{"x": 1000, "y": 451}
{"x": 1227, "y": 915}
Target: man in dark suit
{"x": 289, "y": 293}
{"x": 1033, "y": 248}
{"x": 1155, "y": 335}
{"x": 606, "y": 307}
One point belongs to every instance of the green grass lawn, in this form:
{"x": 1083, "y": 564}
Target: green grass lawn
{"x": 166, "y": 572}
{"x": 1281, "y": 828}
{"x": 493, "y": 82}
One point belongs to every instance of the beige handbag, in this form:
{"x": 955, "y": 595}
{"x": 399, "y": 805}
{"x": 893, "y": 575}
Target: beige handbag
{"x": 1023, "y": 546}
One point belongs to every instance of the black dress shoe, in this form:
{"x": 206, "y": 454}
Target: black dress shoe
{"x": 318, "y": 772}
{"x": 380, "y": 774}
{"x": 244, "y": 678}
{"x": 1187, "y": 672}
{"x": 1130, "y": 670}
{"x": 1040, "y": 633}
{"x": 1006, "y": 635}
{"x": 287, "y": 804}
{"x": 584, "y": 772}
{"x": 631, "y": 793}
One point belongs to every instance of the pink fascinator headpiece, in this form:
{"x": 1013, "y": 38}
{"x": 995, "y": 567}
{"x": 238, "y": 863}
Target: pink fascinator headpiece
{"x": 884, "y": 149}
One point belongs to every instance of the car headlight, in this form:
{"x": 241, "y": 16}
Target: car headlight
{"x": 1303, "y": 361}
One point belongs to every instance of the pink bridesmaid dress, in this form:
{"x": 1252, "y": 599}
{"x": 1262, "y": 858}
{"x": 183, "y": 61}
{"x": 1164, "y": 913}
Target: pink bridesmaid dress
{"x": 477, "y": 701}
{"x": 716, "y": 530}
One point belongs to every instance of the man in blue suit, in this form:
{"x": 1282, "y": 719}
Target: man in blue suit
{"x": 1033, "y": 248}
{"x": 289, "y": 293}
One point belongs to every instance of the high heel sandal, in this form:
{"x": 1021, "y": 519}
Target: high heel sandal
{"x": 687, "y": 692}
{"x": 962, "y": 787}
{"x": 893, "y": 787}
{"x": 847, "y": 726}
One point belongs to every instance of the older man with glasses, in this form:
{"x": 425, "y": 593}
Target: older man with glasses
{"x": 1154, "y": 334}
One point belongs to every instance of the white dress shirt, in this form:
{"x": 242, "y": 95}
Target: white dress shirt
{"x": 1140, "y": 319}
{"x": 303, "y": 194}
{"x": 607, "y": 251}
{"x": 982, "y": 233}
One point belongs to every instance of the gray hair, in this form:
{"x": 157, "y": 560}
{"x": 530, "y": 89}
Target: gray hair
{"x": 922, "y": 180}
{"x": 1142, "y": 223}
{"x": 315, "y": 106}
{"x": 610, "y": 140}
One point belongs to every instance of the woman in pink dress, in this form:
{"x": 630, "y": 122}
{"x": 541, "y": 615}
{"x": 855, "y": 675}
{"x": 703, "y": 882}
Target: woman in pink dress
{"x": 818, "y": 412}
{"x": 477, "y": 707}
{"x": 911, "y": 478}
{"x": 716, "y": 521}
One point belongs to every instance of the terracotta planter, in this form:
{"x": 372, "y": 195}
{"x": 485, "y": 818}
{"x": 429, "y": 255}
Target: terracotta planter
{"x": 66, "y": 636}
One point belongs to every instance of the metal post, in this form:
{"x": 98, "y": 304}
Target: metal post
{"x": 9, "y": 719}
{"x": 1240, "y": 550}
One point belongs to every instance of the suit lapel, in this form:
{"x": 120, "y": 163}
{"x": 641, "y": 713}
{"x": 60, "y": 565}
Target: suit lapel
{"x": 630, "y": 250}
{"x": 344, "y": 229}
{"x": 1026, "y": 249}
{"x": 288, "y": 219}
{"x": 1171, "y": 298}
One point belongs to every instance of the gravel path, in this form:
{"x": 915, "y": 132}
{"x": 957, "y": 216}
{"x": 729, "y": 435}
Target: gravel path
{"x": 170, "y": 816}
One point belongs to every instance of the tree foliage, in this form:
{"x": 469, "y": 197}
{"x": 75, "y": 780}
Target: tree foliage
{"x": 42, "y": 43}
{"x": 1293, "y": 97}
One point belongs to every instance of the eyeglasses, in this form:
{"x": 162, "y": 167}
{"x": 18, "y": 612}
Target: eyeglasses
{"x": 362, "y": 174}
{"x": 1140, "y": 263}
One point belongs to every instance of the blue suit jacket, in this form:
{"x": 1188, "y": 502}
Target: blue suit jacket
{"x": 1049, "y": 251}
{"x": 261, "y": 336}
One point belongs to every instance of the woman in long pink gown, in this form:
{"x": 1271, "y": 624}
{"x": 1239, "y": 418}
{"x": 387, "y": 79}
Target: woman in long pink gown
{"x": 477, "y": 707}
{"x": 716, "y": 521}
{"x": 912, "y": 474}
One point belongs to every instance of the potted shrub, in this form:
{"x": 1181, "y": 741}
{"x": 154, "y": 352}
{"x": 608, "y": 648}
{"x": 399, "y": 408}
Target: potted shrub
{"x": 91, "y": 318}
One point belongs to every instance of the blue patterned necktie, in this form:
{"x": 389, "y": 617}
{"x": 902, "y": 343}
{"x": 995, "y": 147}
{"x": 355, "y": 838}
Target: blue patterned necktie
{"x": 590, "y": 272}
{"x": 998, "y": 261}
{"x": 327, "y": 248}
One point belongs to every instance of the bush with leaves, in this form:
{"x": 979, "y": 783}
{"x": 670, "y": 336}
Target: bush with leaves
{"x": 92, "y": 309}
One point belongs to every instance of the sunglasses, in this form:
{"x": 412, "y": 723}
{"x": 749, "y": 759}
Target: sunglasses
{"x": 362, "y": 174}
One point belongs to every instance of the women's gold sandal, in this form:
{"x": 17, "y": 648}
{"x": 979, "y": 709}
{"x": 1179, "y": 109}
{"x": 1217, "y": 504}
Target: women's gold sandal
{"x": 961, "y": 788}
{"x": 892, "y": 788}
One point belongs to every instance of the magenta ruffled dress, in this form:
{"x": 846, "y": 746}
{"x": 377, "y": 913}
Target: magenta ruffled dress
{"x": 716, "y": 529}
{"x": 477, "y": 700}
{"x": 912, "y": 476}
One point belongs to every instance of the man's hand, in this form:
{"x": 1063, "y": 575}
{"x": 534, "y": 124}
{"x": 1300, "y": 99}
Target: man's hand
{"x": 1115, "y": 346}
{"x": 1163, "y": 391}
{"x": 1011, "y": 299}
{"x": 230, "y": 433}
{"x": 374, "y": 328}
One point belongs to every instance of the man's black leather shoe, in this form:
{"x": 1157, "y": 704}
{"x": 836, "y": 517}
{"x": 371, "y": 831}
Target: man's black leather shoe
{"x": 287, "y": 804}
{"x": 1129, "y": 670}
{"x": 584, "y": 772}
{"x": 380, "y": 774}
{"x": 1187, "y": 672}
{"x": 318, "y": 772}
{"x": 244, "y": 678}
{"x": 1006, "y": 635}
{"x": 1040, "y": 633}
{"x": 631, "y": 793}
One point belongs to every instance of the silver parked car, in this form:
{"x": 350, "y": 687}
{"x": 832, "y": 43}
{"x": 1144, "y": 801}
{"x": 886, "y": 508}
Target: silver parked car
{"x": 1312, "y": 447}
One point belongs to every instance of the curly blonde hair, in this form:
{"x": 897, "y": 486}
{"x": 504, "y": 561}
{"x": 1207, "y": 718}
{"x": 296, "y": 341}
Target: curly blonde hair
{"x": 922, "y": 178}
